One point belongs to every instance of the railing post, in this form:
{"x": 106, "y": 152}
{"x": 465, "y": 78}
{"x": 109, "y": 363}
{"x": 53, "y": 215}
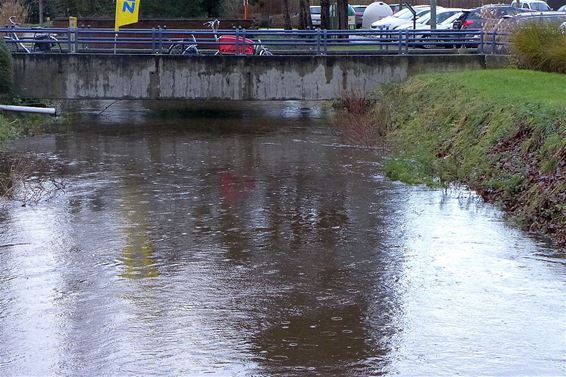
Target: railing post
{"x": 318, "y": 41}
{"x": 152, "y": 40}
{"x": 244, "y": 41}
{"x": 159, "y": 40}
{"x": 481, "y": 42}
{"x": 70, "y": 40}
{"x": 325, "y": 42}
{"x": 400, "y": 37}
{"x": 237, "y": 41}
{"x": 493, "y": 45}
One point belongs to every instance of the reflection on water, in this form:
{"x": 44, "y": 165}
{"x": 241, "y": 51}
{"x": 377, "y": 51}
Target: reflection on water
{"x": 243, "y": 239}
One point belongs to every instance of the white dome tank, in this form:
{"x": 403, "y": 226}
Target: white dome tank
{"x": 375, "y": 12}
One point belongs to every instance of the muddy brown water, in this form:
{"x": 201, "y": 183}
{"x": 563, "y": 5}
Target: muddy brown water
{"x": 245, "y": 239}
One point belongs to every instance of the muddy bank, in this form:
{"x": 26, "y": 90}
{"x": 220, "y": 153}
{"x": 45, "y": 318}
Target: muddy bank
{"x": 500, "y": 132}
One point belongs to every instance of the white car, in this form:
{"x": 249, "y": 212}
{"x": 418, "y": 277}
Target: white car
{"x": 444, "y": 25}
{"x": 444, "y": 19}
{"x": 536, "y": 5}
{"x": 315, "y": 15}
{"x": 400, "y": 18}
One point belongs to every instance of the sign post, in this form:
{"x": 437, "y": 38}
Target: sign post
{"x": 40, "y": 12}
{"x": 73, "y": 25}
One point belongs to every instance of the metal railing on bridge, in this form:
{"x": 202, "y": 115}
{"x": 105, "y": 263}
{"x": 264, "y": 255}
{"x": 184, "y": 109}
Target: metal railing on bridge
{"x": 251, "y": 42}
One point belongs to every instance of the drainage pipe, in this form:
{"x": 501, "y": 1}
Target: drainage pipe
{"x": 29, "y": 109}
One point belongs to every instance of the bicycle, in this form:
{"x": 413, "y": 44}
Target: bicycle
{"x": 44, "y": 41}
{"x": 231, "y": 44}
{"x": 184, "y": 48}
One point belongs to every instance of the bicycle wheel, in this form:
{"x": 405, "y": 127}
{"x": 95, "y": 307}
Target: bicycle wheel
{"x": 56, "y": 44}
{"x": 191, "y": 50}
{"x": 176, "y": 49}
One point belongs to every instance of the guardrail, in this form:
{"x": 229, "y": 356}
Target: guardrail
{"x": 248, "y": 42}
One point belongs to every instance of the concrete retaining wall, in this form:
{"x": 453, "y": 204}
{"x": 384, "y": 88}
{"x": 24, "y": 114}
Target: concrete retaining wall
{"x": 220, "y": 77}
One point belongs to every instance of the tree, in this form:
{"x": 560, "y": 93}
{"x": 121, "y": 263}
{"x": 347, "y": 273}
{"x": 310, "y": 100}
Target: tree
{"x": 287, "y": 15}
{"x": 342, "y": 11}
{"x": 325, "y": 14}
{"x": 305, "y": 14}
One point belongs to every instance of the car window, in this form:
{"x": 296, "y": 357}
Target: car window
{"x": 540, "y": 6}
{"x": 444, "y": 16}
{"x": 495, "y": 13}
{"x": 525, "y": 6}
{"x": 404, "y": 14}
{"x": 315, "y": 10}
{"x": 454, "y": 17}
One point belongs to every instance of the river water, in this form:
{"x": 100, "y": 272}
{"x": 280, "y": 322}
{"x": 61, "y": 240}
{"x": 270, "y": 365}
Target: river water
{"x": 245, "y": 239}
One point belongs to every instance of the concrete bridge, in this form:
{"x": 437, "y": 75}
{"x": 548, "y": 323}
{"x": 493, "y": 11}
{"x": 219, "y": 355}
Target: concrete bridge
{"x": 83, "y": 76}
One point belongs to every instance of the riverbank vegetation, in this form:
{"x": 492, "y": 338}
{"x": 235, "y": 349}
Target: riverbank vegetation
{"x": 499, "y": 132}
{"x": 540, "y": 46}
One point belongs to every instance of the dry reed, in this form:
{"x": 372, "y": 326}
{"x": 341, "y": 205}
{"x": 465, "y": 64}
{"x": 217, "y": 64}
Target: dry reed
{"x": 16, "y": 8}
{"x": 362, "y": 120}
{"x": 27, "y": 179}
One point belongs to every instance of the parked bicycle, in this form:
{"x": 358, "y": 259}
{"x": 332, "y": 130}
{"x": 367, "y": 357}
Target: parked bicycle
{"x": 184, "y": 47}
{"x": 42, "y": 42}
{"x": 232, "y": 44}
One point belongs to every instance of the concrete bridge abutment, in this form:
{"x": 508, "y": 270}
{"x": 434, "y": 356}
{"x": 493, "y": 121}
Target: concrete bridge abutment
{"x": 62, "y": 76}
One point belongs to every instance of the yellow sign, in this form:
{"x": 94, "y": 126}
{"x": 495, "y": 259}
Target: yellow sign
{"x": 127, "y": 12}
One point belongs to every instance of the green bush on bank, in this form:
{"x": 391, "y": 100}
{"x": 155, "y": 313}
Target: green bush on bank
{"x": 540, "y": 46}
{"x": 6, "y": 79}
{"x": 500, "y": 132}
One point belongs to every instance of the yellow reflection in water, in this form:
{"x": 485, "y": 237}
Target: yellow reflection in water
{"x": 139, "y": 252}
{"x": 138, "y": 255}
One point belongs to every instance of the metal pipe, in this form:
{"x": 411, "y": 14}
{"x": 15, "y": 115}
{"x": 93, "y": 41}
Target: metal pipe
{"x": 40, "y": 12}
{"x": 432, "y": 15}
{"x": 29, "y": 109}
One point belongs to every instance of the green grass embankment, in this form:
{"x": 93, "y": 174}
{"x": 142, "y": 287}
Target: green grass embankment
{"x": 500, "y": 132}
{"x": 13, "y": 125}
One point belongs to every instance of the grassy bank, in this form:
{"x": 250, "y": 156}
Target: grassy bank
{"x": 500, "y": 132}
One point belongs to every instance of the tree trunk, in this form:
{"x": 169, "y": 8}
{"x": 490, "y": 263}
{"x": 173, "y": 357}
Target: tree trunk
{"x": 306, "y": 19}
{"x": 287, "y": 15}
{"x": 342, "y": 7}
{"x": 325, "y": 14}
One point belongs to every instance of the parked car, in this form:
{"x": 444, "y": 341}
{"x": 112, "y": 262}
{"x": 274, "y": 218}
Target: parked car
{"x": 424, "y": 22}
{"x": 429, "y": 40}
{"x": 401, "y": 17}
{"x": 562, "y": 8}
{"x": 360, "y": 9}
{"x": 315, "y": 15}
{"x": 482, "y": 17}
{"x": 536, "y": 5}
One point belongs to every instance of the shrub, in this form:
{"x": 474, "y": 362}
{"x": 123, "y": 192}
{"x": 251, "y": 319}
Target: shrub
{"x": 5, "y": 69}
{"x": 541, "y": 47}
